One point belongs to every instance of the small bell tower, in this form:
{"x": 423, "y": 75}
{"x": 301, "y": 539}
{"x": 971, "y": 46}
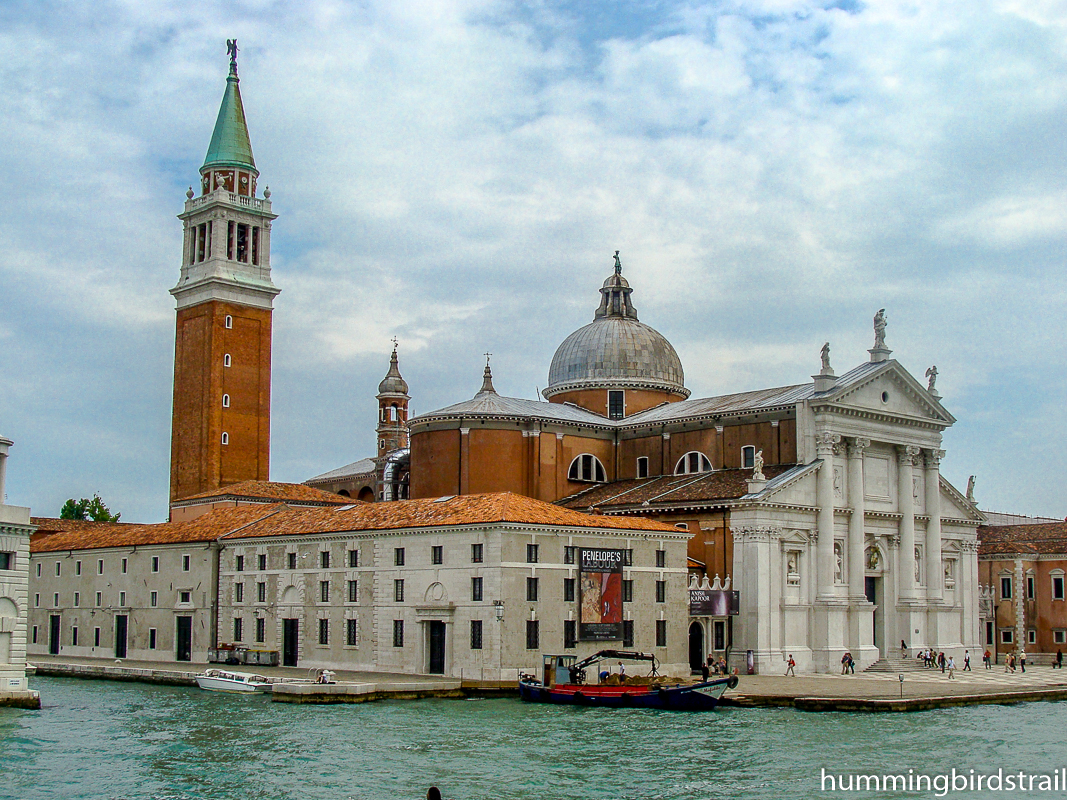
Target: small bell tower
{"x": 222, "y": 351}
{"x": 392, "y": 409}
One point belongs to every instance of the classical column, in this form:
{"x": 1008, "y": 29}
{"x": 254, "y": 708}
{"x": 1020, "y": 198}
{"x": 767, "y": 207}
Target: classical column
{"x": 824, "y": 497}
{"x": 906, "y": 507}
{"x": 935, "y": 573}
{"x": 856, "y": 587}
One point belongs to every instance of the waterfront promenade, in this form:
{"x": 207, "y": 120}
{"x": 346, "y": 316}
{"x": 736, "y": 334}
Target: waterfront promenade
{"x": 922, "y": 690}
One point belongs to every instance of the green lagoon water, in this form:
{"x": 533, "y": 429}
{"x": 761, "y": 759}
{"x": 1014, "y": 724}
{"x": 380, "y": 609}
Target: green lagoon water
{"x": 99, "y": 739}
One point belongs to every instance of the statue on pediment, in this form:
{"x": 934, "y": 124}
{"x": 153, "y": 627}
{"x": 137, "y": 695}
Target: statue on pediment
{"x": 880, "y": 322}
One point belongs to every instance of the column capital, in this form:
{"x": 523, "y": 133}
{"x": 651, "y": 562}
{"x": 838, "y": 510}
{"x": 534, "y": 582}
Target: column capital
{"x": 906, "y": 454}
{"x": 933, "y": 458}
{"x": 825, "y": 441}
{"x": 464, "y": 431}
{"x": 856, "y": 446}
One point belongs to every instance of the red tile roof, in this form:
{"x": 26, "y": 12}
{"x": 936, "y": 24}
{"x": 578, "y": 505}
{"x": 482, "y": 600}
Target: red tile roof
{"x": 1048, "y": 538}
{"x": 267, "y": 490}
{"x": 279, "y": 519}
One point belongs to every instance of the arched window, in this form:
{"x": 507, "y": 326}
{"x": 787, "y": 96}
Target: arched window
{"x": 225, "y": 438}
{"x": 392, "y": 413}
{"x": 692, "y": 463}
{"x": 229, "y": 321}
{"x": 226, "y": 360}
{"x": 225, "y": 401}
{"x": 586, "y": 467}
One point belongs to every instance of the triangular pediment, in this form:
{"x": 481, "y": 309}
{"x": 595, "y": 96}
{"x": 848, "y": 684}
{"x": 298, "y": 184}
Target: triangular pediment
{"x": 793, "y": 487}
{"x": 954, "y": 505}
{"x": 888, "y": 390}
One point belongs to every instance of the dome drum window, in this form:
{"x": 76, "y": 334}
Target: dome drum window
{"x": 692, "y": 463}
{"x": 587, "y": 468}
{"x": 748, "y": 457}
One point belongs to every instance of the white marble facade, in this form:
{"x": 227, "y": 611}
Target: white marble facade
{"x": 15, "y": 530}
{"x": 864, "y": 545}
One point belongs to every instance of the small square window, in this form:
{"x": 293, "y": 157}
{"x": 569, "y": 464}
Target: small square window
{"x": 476, "y": 589}
{"x": 531, "y": 553}
{"x": 437, "y": 554}
{"x": 661, "y": 633}
{"x": 324, "y": 559}
{"x": 661, "y": 558}
{"x": 185, "y": 597}
{"x": 261, "y": 560}
{"x": 476, "y": 554}
{"x": 398, "y": 556}
{"x": 398, "y": 591}
{"x": 1006, "y": 636}
{"x": 1059, "y": 637}
{"x": 353, "y": 559}
{"x": 531, "y": 589}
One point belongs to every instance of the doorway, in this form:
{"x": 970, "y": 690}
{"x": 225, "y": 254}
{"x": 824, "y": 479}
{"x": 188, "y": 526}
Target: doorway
{"x": 121, "y": 626}
{"x": 184, "y": 639}
{"x": 437, "y": 647}
{"x": 873, "y": 590}
{"x": 53, "y": 635}
{"x": 290, "y": 641}
{"x": 696, "y": 646}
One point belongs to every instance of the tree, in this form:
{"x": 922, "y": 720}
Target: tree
{"x": 88, "y": 509}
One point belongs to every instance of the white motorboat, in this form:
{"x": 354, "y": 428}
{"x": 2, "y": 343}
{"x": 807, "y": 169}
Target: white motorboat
{"x": 220, "y": 680}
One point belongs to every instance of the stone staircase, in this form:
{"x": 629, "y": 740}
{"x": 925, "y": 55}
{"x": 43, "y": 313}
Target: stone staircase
{"x": 895, "y": 664}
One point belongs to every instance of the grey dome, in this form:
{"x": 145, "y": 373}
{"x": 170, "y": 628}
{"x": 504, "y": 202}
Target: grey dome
{"x": 615, "y": 349}
{"x": 393, "y": 382}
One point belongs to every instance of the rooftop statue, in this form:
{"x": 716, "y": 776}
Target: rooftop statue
{"x": 757, "y": 467}
{"x": 879, "y": 329}
{"x": 618, "y": 264}
{"x": 932, "y": 375}
{"x": 970, "y": 489}
{"x": 825, "y": 357}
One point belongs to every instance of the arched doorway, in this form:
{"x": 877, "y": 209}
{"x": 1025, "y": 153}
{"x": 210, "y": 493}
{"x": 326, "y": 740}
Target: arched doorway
{"x": 696, "y": 646}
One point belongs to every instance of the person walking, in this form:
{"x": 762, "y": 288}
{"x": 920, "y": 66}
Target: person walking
{"x": 1059, "y": 658}
{"x": 987, "y": 658}
{"x": 951, "y": 667}
{"x": 1022, "y": 659}
{"x": 941, "y": 662}
{"x": 966, "y": 661}
{"x": 789, "y": 666}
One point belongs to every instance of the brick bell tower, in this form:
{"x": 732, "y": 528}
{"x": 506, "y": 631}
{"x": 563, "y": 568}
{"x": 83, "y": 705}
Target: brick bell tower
{"x": 222, "y": 349}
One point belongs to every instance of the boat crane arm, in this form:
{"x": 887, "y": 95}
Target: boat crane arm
{"x": 620, "y": 654}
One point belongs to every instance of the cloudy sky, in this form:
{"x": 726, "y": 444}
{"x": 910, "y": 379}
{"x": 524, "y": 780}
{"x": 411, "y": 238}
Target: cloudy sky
{"x": 458, "y": 175}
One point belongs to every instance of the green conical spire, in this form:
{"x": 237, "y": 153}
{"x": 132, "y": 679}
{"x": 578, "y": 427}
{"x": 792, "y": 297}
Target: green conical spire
{"x": 230, "y": 146}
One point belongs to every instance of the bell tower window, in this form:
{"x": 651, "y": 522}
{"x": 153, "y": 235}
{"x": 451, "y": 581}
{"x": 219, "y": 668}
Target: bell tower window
{"x": 255, "y": 246}
{"x": 242, "y": 242}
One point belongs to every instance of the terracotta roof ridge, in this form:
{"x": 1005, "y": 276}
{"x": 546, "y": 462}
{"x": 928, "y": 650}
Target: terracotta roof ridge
{"x": 278, "y": 508}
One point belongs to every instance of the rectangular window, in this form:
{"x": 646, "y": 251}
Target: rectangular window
{"x": 185, "y": 597}
{"x": 398, "y": 591}
{"x": 1059, "y": 637}
{"x": 570, "y": 634}
{"x": 34, "y": 636}
{"x": 719, "y": 635}
{"x": 229, "y": 240}
{"x": 155, "y": 563}
{"x": 353, "y": 591}
{"x": 748, "y": 457}
{"x": 238, "y": 629}
{"x": 628, "y": 557}
{"x": 151, "y": 638}
{"x": 533, "y": 634}
{"x": 255, "y": 245}
{"x": 55, "y": 599}
{"x": 59, "y": 567}
{"x": 261, "y": 630}
{"x": 531, "y": 553}
{"x": 324, "y": 631}
{"x": 39, "y": 569}
{"x": 96, "y": 637}
{"x": 324, "y": 591}
{"x": 77, "y": 599}
{"x": 238, "y": 593}
{"x": 261, "y": 560}
{"x": 242, "y": 242}
{"x": 1031, "y": 636}
{"x": 125, "y": 563}
{"x": 324, "y": 559}
{"x": 661, "y": 633}
{"x": 99, "y": 599}
{"x": 476, "y": 634}
{"x": 74, "y": 636}
{"x": 569, "y": 554}
{"x": 37, "y": 601}
{"x": 989, "y": 633}
{"x": 531, "y": 589}
{"x": 291, "y": 560}
{"x": 1030, "y": 587}
{"x": 122, "y": 599}
{"x": 99, "y": 568}
{"x": 627, "y": 591}
{"x": 1005, "y": 588}
{"x": 568, "y": 590}
{"x": 186, "y": 563}
{"x": 239, "y": 564}
{"x": 352, "y": 632}
{"x": 1006, "y": 636}
{"x": 261, "y": 592}
{"x": 642, "y": 467}
{"x": 1057, "y": 587}
{"x": 398, "y": 556}
{"x": 353, "y": 559}
{"x": 153, "y": 599}
{"x": 661, "y": 591}
{"x": 77, "y": 564}
{"x": 661, "y": 558}
{"x": 437, "y": 554}
{"x": 398, "y": 633}
{"x": 615, "y": 404}
{"x": 476, "y": 589}
{"x": 476, "y": 554}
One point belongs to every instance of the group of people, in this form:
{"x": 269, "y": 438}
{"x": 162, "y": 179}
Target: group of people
{"x": 1014, "y": 661}
{"x": 932, "y": 660}
{"x": 719, "y": 667}
{"x": 848, "y": 664}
